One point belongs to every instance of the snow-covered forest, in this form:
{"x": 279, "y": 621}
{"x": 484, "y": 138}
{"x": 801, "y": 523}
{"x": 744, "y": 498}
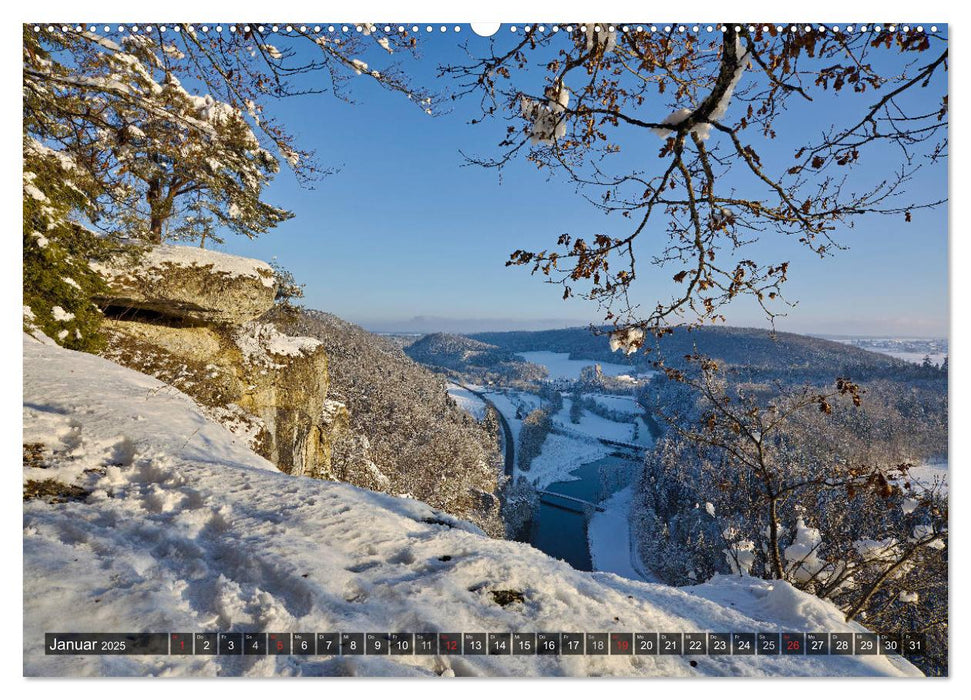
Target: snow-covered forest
{"x": 860, "y": 515}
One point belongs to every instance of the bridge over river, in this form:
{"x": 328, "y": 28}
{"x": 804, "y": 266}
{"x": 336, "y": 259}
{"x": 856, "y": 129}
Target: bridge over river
{"x": 579, "y": 501}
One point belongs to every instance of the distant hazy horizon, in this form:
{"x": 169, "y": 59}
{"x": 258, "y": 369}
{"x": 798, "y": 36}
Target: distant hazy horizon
{"x": 460, "y": 326}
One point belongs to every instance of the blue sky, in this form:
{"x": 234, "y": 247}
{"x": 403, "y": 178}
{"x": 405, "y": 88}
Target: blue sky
{"x": 406, "y": 229}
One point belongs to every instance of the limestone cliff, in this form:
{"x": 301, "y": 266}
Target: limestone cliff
{"x": 188, "y": 316}
{"x": 192, "y": 284}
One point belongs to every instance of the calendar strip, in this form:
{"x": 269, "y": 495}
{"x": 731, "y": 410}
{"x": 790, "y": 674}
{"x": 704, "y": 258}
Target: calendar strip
{"x": 766, "y": 644}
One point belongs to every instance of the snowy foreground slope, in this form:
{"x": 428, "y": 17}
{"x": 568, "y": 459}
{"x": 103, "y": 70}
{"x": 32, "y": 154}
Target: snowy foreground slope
{"x": 187, "y": 530}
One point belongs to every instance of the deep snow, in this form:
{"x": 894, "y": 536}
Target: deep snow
{"x": 186, "y": 529}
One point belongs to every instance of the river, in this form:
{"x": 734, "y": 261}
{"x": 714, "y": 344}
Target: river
{"x": 560, "y": 526}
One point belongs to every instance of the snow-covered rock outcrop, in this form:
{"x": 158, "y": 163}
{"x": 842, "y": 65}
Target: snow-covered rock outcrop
{"x": 190, "y": 283}
{"x": 173, "y": 524}
{"x": 264, "y": 385}
{"x": 267, "y": 387}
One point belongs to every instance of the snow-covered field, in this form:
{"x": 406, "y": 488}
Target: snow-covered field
{"x": 917, "y": 358}
{"x": 621, "y": 404}
{"x": 608, "y": 533}
{"x": 593, "y": 426}
{"x": 576, "y": 444}
{"x": 908, "y": 349}
{"x": 562, "y": 455}
{"x": 467, "y": 401}
{"x": 185, "y": 529}
{"x": 930, "y": 474}
{"x": 560, "y": 366}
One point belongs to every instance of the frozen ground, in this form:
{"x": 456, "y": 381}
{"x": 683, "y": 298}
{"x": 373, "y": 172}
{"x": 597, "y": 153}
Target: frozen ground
{"x": 621, "y": 404}
{"x": 593, "y": 427}
{"x": 929, "y": 474}
{"x": 562, "y": 455}
{"x": 184, "y": 528}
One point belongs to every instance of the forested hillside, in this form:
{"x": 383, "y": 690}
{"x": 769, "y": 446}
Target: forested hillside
{"x": 407, "y": 436}
{"x": 790, "y": 457}
{"x": 819, "y": 480}
{"x": 475, "y": 360}
{"x": 759, "y": 349}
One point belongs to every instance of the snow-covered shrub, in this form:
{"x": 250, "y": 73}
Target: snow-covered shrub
{"x": 740, "y": 555}
{"x": 798, "y": 489}
{"x": 288, "y": 288}
{"x": 672, "y": 537}
{"x": 519, "y": 504}
{"x": 802, "y": 557}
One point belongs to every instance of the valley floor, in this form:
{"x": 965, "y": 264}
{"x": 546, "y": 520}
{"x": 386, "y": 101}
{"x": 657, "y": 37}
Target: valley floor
{"x": 177, "y": 526}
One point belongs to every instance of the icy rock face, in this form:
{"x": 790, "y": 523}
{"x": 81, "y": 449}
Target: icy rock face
{"x": 191, "y": 284}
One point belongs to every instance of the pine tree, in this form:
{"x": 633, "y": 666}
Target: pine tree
{"x": 169, "y": 158}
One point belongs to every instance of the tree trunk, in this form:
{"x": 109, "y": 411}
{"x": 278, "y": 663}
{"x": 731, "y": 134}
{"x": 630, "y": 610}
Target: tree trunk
{"x": 775, "y": 559}
{"x": 155, "y": 230}
{"x": 155, "y": 218}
